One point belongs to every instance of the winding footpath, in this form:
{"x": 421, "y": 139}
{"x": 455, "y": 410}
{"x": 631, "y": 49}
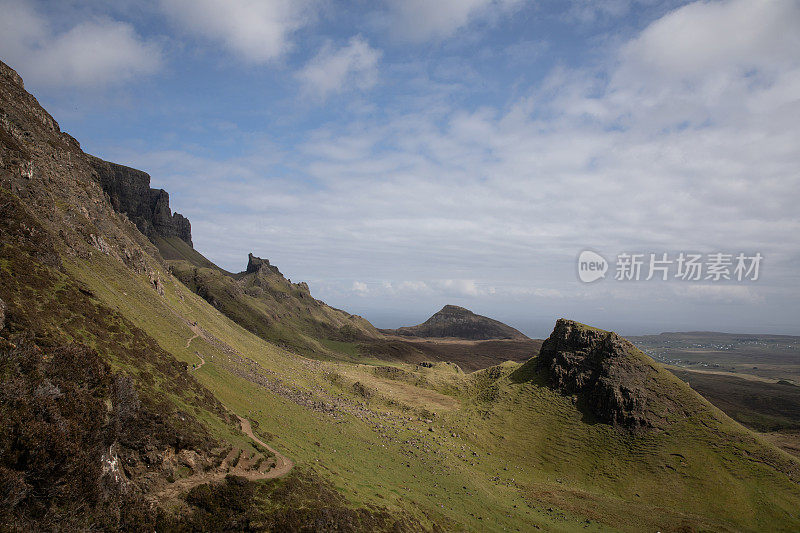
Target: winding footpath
{"x": 191, "y": 339}
{"x": 283, "y": 465}
{"x": 202, "y": 361}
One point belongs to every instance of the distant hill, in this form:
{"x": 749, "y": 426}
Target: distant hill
{"x": 460, "y": 323}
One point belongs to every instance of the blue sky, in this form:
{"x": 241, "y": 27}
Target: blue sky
{"x": 401, "y": 155}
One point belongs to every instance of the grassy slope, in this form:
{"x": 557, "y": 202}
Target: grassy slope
{"x": 175, "y": 249}
{"x": 310, "y": 438}
{"x": 657, "y": 480}
{"x": 278, "y": 311}
{"x": 514, "y": 454}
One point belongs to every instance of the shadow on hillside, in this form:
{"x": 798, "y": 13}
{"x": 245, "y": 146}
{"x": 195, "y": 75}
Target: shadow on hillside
{"x": 530, "y": 373}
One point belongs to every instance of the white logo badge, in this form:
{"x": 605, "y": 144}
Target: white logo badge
{"x": 591, "y": 266}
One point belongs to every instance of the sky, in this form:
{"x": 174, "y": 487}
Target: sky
{"x": 400, "y": 155}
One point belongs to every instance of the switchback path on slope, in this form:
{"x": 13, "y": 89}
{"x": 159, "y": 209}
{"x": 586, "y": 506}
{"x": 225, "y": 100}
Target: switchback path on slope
{"x": 191, "y": 339}
{"x": 202, "y": 361}
{"x": 282, "y": 463}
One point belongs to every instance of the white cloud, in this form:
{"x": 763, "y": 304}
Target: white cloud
{"x": 531, "y": 291}
{"x": 360, "y": 288}
{"x": 444, "y": 288}
{"x": 353, "y": 66}
{"x": 702, "y": 38}
{"x": 617, "y": 158}
{"x": 588, "y": 11}
{"x": 460, "y": 287}
{"x": 726, "y": 294}
{"x": 96, "y": 52}
{"x": 422, "y": 20}
{"x": 257, "y": 30}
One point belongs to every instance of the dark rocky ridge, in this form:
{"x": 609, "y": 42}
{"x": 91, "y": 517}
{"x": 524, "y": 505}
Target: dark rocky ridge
{"x": 455, "y": 321}
{"x": 130, "y": 193}
{"x": 618, "y": 383}
{"x": 266, "y": 303}
{"x": 254, "y": 264}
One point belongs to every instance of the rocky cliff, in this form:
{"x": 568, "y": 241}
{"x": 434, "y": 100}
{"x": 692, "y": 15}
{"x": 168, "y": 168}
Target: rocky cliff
{"x": 615, "y": 381}
{"x": 455, "y": 321}
{"x": 130, "y": 193}
{"x": 255, "y": 264}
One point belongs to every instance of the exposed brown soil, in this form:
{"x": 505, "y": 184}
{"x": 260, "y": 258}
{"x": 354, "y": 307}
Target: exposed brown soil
{"x": 191, "y": 339}
{"x": 282, "y": 464}
{"x": 469, "y": 355}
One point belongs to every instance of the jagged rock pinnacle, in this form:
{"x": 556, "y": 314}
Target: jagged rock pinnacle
{"x": 255, "y": 264}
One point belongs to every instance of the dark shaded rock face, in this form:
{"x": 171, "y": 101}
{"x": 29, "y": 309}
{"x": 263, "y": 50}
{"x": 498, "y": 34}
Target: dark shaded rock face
{"x": 619, "y": 384}
{"x": 130, "y": 193}
{"x": 255, "y": 264}
{"x": 455, "y": 321}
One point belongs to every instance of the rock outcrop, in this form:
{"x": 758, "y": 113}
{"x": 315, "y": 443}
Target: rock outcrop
{"x": 265, "y": 302}
{"x": 254, "y": 264}
{"x": 130, "y": 193}
{"x": 616, "y": 382}
{"x": 455, "y": 321}
{"x": 11, "y": 74}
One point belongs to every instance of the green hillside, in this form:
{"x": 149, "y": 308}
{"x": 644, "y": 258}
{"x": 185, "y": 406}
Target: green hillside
{"x": 263, "y": 301}
{"x": 124, "y": 378}
{"x": 492, "y": 440}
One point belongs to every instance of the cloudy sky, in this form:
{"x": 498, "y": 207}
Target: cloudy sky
{"x": 403, "y": 154}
